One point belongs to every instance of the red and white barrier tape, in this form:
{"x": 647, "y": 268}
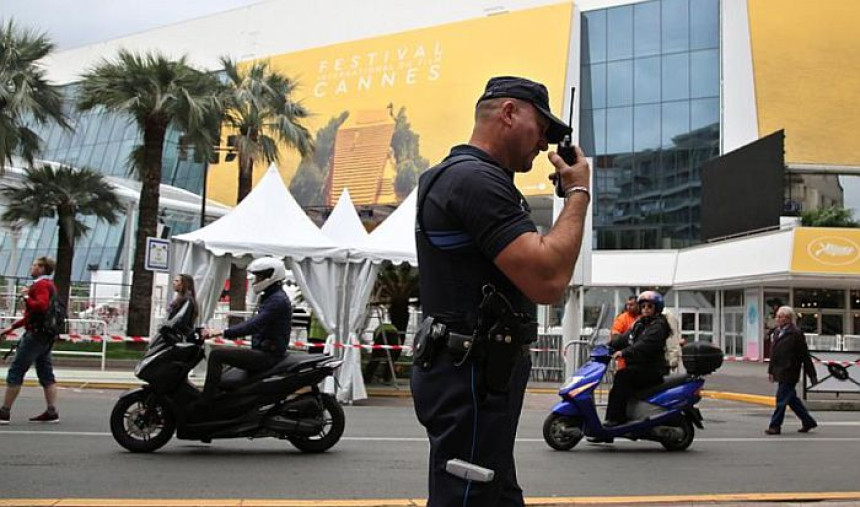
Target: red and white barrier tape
{"x": 96, "y": 338}
{"x": 111, "y": 338}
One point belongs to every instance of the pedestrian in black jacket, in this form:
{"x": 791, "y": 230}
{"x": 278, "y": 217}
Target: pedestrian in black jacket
{"x": 643, "y": 350}
{"x": 788, "y": 353}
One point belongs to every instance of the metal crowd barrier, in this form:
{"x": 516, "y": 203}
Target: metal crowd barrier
{"x": 89, "y": 327}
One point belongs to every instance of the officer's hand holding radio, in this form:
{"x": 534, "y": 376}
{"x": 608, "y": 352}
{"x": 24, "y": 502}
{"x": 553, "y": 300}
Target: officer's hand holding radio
{"x": 572, "y": 177}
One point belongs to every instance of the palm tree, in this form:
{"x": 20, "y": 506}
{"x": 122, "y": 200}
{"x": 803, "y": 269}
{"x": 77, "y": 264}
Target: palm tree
{"x": 156, "y": 92}
{"x": 25, "y": 94}
{"x": 66, "y": 194}
{"x": 258, "y": 107}
{"x": 395, "y": 287}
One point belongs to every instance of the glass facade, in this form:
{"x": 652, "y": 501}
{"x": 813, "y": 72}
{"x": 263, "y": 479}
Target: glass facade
{"x": 649, "y": 115}
{"x": 101, "y": 141}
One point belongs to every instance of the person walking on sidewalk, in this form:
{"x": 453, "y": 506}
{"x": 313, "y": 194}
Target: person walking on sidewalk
{"x": 34, "y": 346}
{"x": 788, "y": 353}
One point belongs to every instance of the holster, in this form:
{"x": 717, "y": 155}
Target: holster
{"x": 505, "y": 334}
{"x": 427, "y": 340}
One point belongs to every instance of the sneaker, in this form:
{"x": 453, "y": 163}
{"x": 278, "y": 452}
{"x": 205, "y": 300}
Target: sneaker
{"x": 46, "y": 417}
{"x": 807, "y": 429}
{"x": 5, "y": 415}
{"x": 773, "y": 430}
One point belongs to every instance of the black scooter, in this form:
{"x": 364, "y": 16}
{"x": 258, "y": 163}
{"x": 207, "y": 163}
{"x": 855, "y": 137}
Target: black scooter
{"x": 283, "y": 402}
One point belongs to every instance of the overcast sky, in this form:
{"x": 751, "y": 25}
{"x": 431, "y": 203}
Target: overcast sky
{"x": 73, "y": 23}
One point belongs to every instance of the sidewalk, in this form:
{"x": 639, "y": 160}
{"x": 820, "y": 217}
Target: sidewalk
{"x": 743, "y": 381}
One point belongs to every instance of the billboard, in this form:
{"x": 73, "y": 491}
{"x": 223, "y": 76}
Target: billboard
{"x": 826, "y": 250}
{"x": 386, "y": 108}
{"x": 743, "y": 190}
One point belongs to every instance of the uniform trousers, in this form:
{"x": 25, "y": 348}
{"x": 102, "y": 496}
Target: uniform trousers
{"x": 465, "y": 421}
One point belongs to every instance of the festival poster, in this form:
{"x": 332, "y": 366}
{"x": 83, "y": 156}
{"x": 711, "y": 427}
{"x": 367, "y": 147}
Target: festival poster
{"x": 385, "y": 109}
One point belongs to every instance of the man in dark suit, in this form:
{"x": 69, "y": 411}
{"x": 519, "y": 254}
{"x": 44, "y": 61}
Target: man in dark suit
{"x": 788, "y": 353}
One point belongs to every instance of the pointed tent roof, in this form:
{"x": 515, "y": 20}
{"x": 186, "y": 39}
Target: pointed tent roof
{"x": 394, "y": 239}
{"x": 268, "y": 221}
{"x": 344, "y": 226}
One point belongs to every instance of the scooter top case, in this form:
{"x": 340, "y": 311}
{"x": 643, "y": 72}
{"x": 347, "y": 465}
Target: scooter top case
{"x": 291, "y": 373}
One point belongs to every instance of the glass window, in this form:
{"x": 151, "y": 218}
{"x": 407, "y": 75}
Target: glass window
{"x": 593, "y": 134}
{"x": 675, "y": 26}
{"x": 733, "y": 298}
{"x": 646, "y": 127}
{"x": 646, "y": 28}
{"x": 832, "y": 324}
{"x": 705, "y": 73}
{"x": 676, "y": 76}
{"x": 704, "y": 112}
{"x": 646, "y": 79}
{"x": 619, "y": 81}
{"x": 676, "y": 122}
{"x": 704, "y": 24}
{"x": 619, "y": 126}
{"x": 594, "y": 36}
{"x": 596, "y": 86}
{"x": 818, "y": 298}
{"x": 619, "y": 31}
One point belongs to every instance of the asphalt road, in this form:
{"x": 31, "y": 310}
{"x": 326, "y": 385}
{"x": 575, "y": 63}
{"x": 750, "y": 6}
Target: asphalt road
{"x": 384, "y": 455}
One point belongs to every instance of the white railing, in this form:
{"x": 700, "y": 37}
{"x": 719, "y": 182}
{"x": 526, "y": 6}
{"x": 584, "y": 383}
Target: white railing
{"x": 87, "y": 327}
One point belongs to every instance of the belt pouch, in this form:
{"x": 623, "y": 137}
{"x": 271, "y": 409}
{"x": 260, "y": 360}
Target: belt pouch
{"x": 502, "y": 354}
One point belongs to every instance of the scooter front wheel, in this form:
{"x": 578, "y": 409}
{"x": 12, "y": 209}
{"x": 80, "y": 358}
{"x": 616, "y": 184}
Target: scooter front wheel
{"x": 334, "y": 423}
{"x": 562, "y": 432}
{"x": 140, "y": 423}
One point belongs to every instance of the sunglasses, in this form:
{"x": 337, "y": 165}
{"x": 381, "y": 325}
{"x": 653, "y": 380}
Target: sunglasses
{"x": 646, "y": 304}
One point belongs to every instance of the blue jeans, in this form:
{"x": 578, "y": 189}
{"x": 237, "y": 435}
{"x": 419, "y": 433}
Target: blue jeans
{"x": 32, "y": 349}
{"x": 786, "y": 396}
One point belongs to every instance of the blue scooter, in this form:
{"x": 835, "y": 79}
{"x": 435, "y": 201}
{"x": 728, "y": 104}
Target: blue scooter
{"x": 665, "y": 413}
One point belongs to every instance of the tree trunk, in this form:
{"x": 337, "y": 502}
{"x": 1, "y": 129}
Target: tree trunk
{"x": 140, "y": 304}
{"x": 238, "y": 276}
{"x": 65, "y": 256}
{"x": 398, "y": 312}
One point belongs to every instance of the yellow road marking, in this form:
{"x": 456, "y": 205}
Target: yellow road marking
{"x": 416, "y": 502}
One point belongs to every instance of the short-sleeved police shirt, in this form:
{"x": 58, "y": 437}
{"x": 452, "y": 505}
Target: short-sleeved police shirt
{"x": 471, "y": 212}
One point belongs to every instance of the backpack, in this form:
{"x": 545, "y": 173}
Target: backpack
{"x": 53, "y": 321}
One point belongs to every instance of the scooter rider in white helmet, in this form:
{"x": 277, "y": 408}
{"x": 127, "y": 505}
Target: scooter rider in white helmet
{"x": 269, "y": 327}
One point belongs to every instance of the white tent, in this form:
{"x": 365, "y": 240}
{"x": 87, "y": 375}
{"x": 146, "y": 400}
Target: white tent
{"x": 353, "y": 280}
{"x": 394, "y": 239}
{"x": 269, "y": 222}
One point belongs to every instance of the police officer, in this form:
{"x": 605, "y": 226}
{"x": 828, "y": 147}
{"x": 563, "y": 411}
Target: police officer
{"x": 483, "y": 267}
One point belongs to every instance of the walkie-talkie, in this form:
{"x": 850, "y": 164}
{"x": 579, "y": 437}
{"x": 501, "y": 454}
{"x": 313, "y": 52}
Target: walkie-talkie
{"x": 565, "y": 149}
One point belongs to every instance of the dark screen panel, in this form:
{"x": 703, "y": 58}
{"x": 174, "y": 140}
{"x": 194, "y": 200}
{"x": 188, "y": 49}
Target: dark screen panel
{"x": 743, "y": 190}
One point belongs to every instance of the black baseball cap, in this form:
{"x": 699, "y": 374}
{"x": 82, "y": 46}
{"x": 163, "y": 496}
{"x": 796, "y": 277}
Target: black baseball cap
{"x": 525, "y": 89}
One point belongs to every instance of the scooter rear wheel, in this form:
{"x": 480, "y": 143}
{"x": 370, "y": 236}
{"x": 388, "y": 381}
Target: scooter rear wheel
{"x": 140, "y": 423}
{"x": 334, "y": 423}
{"x": 557, "y": 431}
{"x": 684, "y": 441}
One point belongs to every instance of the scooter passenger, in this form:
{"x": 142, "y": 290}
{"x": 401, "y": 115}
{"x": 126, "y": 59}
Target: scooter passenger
{"x": 643, "y": 352}
{"x": 269, "y": 328}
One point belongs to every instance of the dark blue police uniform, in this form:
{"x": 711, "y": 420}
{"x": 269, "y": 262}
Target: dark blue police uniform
{"x": 471, "y": 213}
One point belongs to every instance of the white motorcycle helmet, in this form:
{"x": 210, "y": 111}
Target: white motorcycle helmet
{"x": 267, "y": 271}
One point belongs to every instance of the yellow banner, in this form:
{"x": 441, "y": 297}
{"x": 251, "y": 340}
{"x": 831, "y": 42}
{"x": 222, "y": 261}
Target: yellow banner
{"x": 806, "y": 60}
{"x": 826, "y": 250}
{"x": 405, "y": 99}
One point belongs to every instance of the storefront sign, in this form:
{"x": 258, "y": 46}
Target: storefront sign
{"x": 826, "y": 250}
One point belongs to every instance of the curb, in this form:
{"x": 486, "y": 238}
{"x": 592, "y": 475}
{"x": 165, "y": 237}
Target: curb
{"x": 406, "y": 393}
